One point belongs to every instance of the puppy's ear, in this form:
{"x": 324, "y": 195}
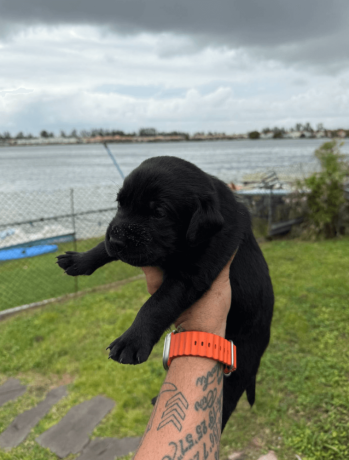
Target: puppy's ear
{"x": 205, "y": 222}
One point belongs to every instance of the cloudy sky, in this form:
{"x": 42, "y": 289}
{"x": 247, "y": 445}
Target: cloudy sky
{"x": 190, "y": 65}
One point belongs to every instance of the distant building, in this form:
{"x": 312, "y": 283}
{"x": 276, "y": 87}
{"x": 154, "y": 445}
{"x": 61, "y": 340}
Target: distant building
{"x": 45, "y": 141}
{"x": 341, "y": 133}
{"x": 268, "y": 135}
{"x": 293, "y": 135}
{"x": 320, "y": 134}
{"x": 307, "y": 134}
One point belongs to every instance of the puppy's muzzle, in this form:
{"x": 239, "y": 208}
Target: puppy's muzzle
{"x": 117, "y": 241}
{"x": 117, "y": 238}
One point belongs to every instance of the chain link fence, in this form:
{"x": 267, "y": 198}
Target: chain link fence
{"x": 37, "y": 226}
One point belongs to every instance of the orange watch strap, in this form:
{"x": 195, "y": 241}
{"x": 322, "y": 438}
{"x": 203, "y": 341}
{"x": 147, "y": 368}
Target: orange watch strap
{"x": 204, "y": 344}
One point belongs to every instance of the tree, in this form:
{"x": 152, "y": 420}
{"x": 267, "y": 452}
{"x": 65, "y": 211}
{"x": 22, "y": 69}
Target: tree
{"x": 20, "y": 135}
{"x": 117, "y": 132}
{"x": 278, "y": 132}
{"x": 254, "y": 135}
{"x": 308, "y": 128}
{"x": 44, "y": 134}
{"x": 84, "y": 133}
{"x": 147, "y": 132}
{"x": 324, "y": 191}
{"x": 320, "y": 127}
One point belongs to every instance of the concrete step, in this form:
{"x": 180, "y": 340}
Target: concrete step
{"x": 10, "y": 390}
{"x": 71, "y": 434}
{"x": 109, "y": 448}
{"x": 23, "y": 423}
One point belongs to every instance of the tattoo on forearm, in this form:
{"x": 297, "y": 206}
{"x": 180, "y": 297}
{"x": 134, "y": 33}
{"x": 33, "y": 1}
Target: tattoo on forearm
{"x": 207, "y": 401}
{"x": 166, "y": 387}
{"x": 203, "y": 442}
{"x": 206, "y": 437}
{"x": 207, "y": 434}
{"x": 214, "y": 375}
{"x": 174, "y": 411}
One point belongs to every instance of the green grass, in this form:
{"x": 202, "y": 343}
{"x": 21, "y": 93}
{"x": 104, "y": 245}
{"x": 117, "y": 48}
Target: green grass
{"x": 33, "y": 279}
{"x": 302, "y": 404}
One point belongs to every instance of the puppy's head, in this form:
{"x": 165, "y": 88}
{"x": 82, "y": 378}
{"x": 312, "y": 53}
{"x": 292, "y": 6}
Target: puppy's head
{"x": 166, "y": 205}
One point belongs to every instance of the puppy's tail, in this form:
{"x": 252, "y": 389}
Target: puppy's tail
{"x": 251, "y": 391}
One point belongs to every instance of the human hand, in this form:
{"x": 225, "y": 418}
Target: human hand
{"x": 208, "y": 314}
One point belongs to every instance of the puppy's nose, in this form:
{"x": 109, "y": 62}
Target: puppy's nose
{"x": 117, "y": 241}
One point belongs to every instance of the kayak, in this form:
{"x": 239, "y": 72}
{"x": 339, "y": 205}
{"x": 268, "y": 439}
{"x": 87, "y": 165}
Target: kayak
{"x": 24, "y": 252}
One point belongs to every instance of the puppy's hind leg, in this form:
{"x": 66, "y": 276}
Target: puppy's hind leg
{"x": 251, "y": 391}
{"x": 233, "y": 388}
{"x": 84, "y": 263}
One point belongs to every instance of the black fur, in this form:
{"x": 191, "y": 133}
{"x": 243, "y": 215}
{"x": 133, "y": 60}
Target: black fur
{"x": 173, "y": 215}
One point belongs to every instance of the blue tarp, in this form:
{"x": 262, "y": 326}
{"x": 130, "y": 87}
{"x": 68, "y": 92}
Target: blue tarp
{"x": 23, "y": 252}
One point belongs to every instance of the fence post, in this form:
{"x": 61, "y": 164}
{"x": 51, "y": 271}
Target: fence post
{"x": 270, "y": 217}
{"x": 76, "y": 284}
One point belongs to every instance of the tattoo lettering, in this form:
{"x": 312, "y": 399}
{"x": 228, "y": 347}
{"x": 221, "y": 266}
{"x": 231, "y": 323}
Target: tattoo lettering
{"x": 187, "y": 443}
{"x": 205, "y": 452}
{"x": 207, "y": 401}
{"x": 168, "y": 457}
{"x": 184, "y": 445}
{"x": 174, "y": 411}
{"x": 215, "y": 374}
{"x": 201, "y": 430}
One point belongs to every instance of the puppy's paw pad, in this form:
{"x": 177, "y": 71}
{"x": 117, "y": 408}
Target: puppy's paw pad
{"x": 72, "y": 263}
{"x": 129, "y": 349}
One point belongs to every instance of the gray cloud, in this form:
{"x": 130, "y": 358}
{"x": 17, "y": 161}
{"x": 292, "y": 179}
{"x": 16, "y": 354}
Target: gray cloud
{"x": 280, "y": 26}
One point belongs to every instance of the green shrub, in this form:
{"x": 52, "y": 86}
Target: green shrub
{"x": 322, "y": 193}
{"x": 254, "y": 135}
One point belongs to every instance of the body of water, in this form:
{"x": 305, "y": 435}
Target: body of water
{"x": 37, "y": 200}
{"x": 48, "y": 168}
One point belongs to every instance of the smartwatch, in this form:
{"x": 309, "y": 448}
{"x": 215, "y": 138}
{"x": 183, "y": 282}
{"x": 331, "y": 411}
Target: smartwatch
{"x": 197, "y": 343}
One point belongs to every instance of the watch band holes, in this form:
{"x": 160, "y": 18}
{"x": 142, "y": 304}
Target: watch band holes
{"x": 195, "y": 342}
{"x": 209, "y": 344}
{"x": 202, "y": 344}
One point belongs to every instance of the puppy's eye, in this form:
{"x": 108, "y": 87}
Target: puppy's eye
{"x": 158, "y": 213}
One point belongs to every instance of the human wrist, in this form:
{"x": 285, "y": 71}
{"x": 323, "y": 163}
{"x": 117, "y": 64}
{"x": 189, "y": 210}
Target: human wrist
{"x": 200, "y": 327}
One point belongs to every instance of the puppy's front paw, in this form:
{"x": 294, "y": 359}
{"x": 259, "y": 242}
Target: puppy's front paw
{"x": 73, "y": 264}
{"x": 130, "y": 348}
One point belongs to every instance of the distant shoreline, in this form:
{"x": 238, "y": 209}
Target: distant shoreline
{"x": 139, "y": 140}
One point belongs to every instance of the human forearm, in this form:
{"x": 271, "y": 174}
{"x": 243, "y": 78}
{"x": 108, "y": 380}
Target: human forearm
{"x": 186, "y": 420}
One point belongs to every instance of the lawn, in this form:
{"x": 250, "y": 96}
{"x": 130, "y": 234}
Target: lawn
{"x": 302, "y": 404}
{"x": 33, "y": 279}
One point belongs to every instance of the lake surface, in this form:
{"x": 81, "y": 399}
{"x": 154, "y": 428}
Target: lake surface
{"x": 48, "y": 168}
{"x": 36, "y": 197}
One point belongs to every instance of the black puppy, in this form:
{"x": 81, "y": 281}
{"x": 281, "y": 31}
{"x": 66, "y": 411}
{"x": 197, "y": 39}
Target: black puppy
{"x": 174, "y": 216}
